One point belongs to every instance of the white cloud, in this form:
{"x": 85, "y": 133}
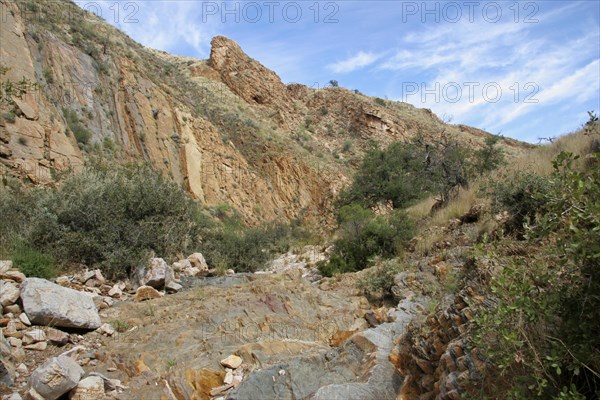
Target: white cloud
{"x": 164, "y": 24}
{"x": 508, "y": 55}
{"x": 362, "y": 59}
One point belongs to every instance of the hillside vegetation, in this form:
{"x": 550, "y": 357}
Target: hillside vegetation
{"x": 531, "y": 267}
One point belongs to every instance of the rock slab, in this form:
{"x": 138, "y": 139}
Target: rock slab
{"x": 47, "y": 303}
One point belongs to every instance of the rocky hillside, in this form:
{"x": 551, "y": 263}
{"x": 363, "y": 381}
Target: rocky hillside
{"x": 227, "y": 128}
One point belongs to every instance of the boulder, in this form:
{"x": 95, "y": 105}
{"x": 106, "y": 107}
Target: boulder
{"x": 90, "y": 388}
{"x": 158, "y": 275}
{"x": 9, "y": 293}
{"x": 197, "y": 260}
{"x": 47, "y": 303}
{"x": 56, "y": 377}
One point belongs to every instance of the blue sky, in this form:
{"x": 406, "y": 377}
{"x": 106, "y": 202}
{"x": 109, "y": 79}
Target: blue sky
{"x": 524, "y": 69}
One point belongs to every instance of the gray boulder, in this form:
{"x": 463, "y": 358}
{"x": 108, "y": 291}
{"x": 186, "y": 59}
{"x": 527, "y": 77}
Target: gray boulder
{"x": 56, "y": 377}
{"x": 47, "y": 303}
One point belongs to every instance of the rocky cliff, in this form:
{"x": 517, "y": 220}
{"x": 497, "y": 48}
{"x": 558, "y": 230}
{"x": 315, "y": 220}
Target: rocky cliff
{"x": 227, "y": 128}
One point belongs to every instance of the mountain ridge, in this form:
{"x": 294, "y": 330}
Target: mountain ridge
{"x": 227, "y": 128}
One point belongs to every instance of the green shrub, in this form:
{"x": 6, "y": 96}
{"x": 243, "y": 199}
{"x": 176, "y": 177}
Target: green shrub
{"x": 33, "y": 263}
{"x": 9, "y": 117}
{"x": 396, "y": 174}
{"x": 347, "y": 146}
{"x": 47, "y": 72}
{"x": 232, "y": 245}
{"x": 522, "y": 196}
{"x": 543, "y": 331}
{"x": 377, "y": 283}
{"x": 82, "y": 135}
{"x": 490, "y": 157}
{"x": 363, "y": 235}
{"x": 109, "y": 144}
{"x": 114, "y": 218}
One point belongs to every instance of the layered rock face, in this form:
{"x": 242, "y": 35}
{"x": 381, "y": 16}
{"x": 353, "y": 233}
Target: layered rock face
{"x": 228, "y": 129}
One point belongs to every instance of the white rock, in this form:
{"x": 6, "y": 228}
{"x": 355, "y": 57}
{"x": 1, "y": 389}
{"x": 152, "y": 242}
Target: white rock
{"x": 109, "y": 384}
{"x": 86, "y": 276}
{"x": 191, "y": 271}
{"x": 24, "y": 319}
{"x": 9, "y": 293}
{"x": 230, "y": 272}
{"x": 98, "y": 276}
{"x": 90, "y": 388}
{"x": 106, "y": 329}
{"x": 228, "y": 380}
{"x": 5, "y": 265}
{"x": 181, "y": 265}
{"x": 115, "y": 291}
{"x": 47, "y": 303}
{"x": 158, "y": 274}
{"x": 237, "y": 379}
{"x": 34, "y": 336}
{"x": 232, "y": 362}
{"x": 197, "y": 260}
{"x": 33, "y": 395}
{"x": 56, "y": 377}
{"x": 22, "y": 369}
{"x": 14, "y": 342}
{"x": 14, "y": 396}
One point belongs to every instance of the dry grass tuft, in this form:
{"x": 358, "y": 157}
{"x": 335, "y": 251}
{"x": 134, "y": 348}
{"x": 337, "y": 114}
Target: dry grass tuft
{"x": 458, "y": 207}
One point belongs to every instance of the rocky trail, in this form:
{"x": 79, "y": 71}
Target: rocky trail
{"x": 288, "y": 337}
{"x": 181, "y": 331}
